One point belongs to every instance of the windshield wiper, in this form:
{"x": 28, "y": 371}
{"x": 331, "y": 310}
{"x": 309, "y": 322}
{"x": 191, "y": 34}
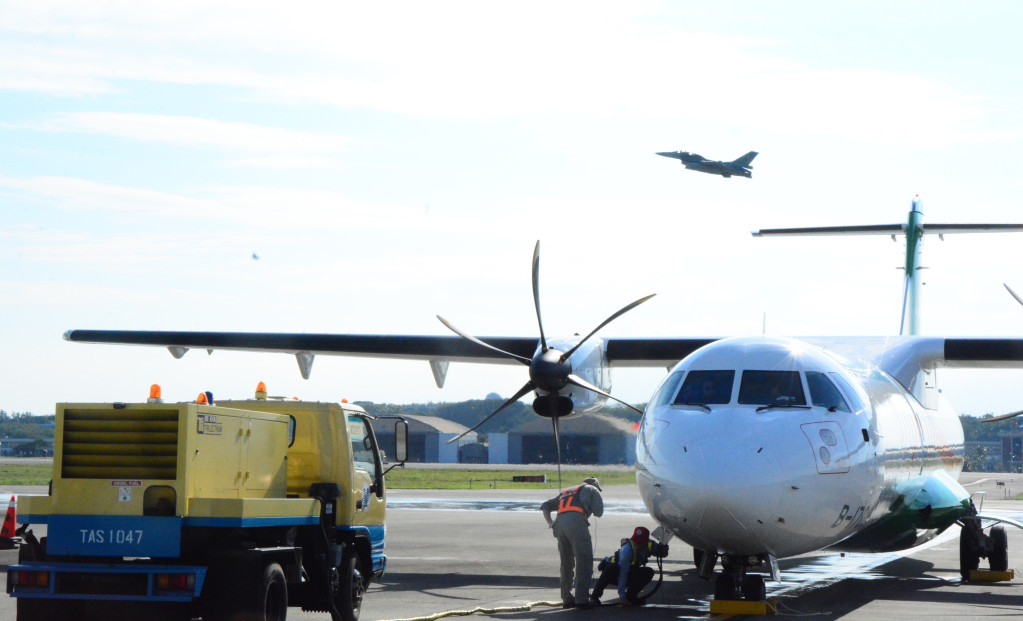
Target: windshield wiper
{"x": 786, "y": 406}
{"x": 697, "y": 405}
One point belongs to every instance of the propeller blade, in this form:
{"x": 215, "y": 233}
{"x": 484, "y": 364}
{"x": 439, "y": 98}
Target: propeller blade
{"x": 472, "y": 338}
{"x": 1012, "y": 293}
{"x": 536, "y": 294}
{"x": 567, "y": 354}
{"x": 522, "y": 392}
{"x": 580, "y": 382}
{"x": 1002, "y": 417}
{"x": 557, "y": 443}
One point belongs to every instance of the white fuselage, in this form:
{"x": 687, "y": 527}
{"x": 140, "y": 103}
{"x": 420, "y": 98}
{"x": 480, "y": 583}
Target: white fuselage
{"x": 731, "y": 476}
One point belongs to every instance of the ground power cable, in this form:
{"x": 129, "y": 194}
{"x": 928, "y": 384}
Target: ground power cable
{"x": 485, "y": 610}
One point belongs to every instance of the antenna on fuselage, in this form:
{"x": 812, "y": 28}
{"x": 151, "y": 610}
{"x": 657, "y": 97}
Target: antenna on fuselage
{"x": 914, "y": 229}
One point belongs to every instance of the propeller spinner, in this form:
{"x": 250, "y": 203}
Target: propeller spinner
{"x": 550, "y": 370}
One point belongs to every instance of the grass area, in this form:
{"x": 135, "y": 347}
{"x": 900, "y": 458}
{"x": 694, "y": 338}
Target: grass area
{"x": 25, "y": 474}
{"x": 399, "y": 478}
{"x": 413, "y": 478}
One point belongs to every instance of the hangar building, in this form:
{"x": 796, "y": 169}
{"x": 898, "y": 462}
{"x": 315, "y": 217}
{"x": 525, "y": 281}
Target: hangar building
{"x": 585, "y": 439}
{"x": 427, "y": 438}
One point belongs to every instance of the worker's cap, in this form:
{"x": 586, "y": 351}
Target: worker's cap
{"x": 641, "y": 535}
{"x": 594, "y": 482}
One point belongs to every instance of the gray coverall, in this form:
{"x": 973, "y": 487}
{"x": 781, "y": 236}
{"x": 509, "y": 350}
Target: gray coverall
{"x": 572, "y": 528}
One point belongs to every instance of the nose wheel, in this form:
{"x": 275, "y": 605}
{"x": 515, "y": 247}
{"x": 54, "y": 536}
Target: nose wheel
{"x": 734, "y": 584}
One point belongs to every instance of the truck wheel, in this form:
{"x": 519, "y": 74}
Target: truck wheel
{"x": 348, "y": 597}
{"x": 268, "y": 602}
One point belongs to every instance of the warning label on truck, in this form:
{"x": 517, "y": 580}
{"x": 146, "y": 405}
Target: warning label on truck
{"x": 207, "y": 424}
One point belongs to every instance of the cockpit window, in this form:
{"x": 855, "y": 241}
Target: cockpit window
{"x": 823, "y": 393}
{"x": 706, "y": 387}
{"x": 771, "y": 388}
{"x": 666, "y": 391}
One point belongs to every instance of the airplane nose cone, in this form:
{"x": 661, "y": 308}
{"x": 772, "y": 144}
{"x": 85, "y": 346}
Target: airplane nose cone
{"x": 667, "y": 153}
{"x": 723, "y": 491}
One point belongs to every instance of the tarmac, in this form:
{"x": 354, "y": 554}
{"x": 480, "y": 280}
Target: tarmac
{"x": 455, "y": 551}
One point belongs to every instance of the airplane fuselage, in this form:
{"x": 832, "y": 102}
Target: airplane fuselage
{"x": 845, "y": 457}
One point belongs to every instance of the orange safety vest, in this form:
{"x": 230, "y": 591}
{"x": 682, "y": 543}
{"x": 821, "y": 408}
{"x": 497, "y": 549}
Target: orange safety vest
{"x": 569, "y": 501}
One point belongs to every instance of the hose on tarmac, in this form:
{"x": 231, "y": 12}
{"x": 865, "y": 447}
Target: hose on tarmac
{"x": 660, "y": 579}
{"x": 483, "y": 610}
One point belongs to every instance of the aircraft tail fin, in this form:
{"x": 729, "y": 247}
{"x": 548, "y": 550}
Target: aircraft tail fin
{"x": 745, "y": 160}
{"x": 906, "y": 309}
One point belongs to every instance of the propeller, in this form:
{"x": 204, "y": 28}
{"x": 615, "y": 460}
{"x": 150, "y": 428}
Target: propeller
{"x": 1001, "y": 417}
{"x": 1011, "y": 414}
{"x": 549, "y": 369}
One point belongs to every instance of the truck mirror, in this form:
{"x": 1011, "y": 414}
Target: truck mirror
{"x": 291, "y": 431}
{"x": 401, "y": 441}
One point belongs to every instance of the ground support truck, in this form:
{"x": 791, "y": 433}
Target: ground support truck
{"x": 229, "y": 511}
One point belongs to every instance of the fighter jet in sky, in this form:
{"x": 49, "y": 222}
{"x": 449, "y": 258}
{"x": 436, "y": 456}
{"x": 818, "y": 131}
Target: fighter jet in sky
{"x": 740, "y": 167}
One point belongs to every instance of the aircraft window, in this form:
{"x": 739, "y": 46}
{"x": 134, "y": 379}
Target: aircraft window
{"x": 824, "y": 393}
{"x": 850, "y": 392}
{"x": 706, "y": 387}
{"x": 666, "y": 390}
{"x": 771, "y": 388}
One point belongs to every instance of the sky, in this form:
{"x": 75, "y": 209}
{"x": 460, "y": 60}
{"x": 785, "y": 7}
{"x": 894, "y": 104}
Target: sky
{"x": 389, "y": 162}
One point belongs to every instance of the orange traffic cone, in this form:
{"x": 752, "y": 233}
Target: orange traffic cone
{"x": 10, "y": 521}
{"x": 7, "y": 538}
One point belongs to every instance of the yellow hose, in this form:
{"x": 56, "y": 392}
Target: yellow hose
{"x": 482, "y": 610}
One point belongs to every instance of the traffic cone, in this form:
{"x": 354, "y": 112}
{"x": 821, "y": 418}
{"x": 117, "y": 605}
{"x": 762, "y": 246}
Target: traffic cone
{"x": 10, "y": 522}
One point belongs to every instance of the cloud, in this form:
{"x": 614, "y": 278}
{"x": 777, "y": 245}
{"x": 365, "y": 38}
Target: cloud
{"x": 492, "y": 62}
{"x": 191, "y": 131}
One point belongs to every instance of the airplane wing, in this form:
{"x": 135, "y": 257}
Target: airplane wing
{"x": 622, "y": 352}
{"x": 903, "y": 357}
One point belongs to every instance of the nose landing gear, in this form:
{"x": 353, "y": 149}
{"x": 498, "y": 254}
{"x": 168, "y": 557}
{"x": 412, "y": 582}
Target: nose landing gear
{"x": 734, "y": 584}
{"x": 735, "y": 590}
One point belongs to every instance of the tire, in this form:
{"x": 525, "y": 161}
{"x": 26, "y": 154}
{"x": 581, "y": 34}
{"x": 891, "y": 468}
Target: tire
{"x": 350, "y": 589}
{"x": 724, "y": 587}
{"x": 969, "y": 552}
{"x": 998, "y": 543}
{"x": 753, "y": 588}
{"x": 268, "y": 600}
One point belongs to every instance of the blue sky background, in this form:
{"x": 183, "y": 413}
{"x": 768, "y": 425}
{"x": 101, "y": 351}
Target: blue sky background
{"x": 393, "y": 161}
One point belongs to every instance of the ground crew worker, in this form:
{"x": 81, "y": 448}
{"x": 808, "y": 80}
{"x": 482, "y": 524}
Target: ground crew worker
{"x": 627, "y": 567}
{"x": 574, "y": 506}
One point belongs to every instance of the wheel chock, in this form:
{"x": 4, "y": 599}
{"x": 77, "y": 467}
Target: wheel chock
{"x": 983, "y": 575}
{"x": 743, "y": 607}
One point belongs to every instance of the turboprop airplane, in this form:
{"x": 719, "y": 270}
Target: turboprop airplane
{"x": 751, "y": 449}
{"x": 740, "y": 167}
